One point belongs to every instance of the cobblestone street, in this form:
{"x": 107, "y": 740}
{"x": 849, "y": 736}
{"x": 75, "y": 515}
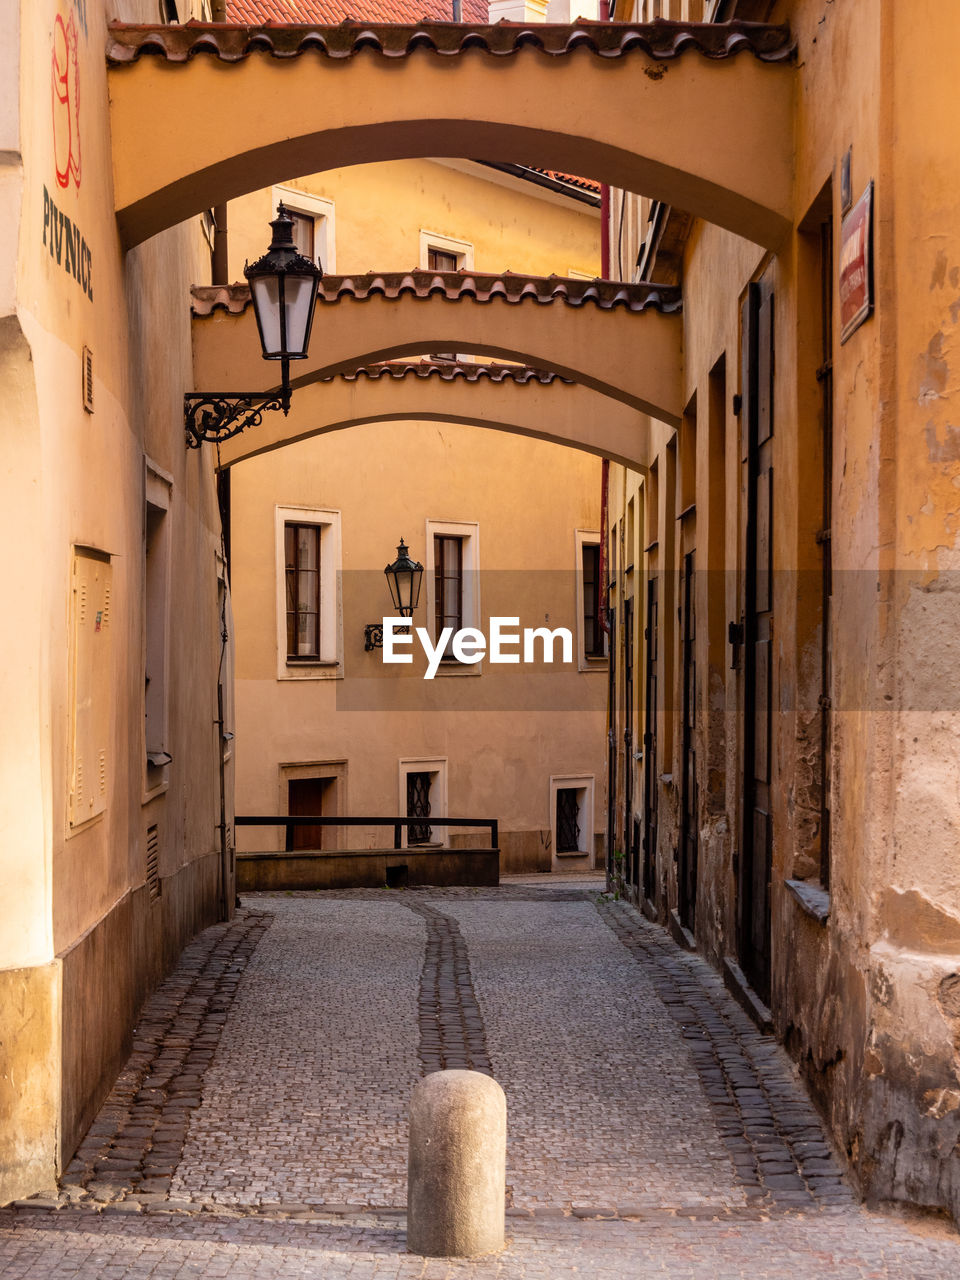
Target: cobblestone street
{"x": 259, "y": 1128}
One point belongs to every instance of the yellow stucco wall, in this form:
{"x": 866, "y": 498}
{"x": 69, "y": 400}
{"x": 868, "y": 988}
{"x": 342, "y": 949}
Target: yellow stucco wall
{"x": 510, "y": 229}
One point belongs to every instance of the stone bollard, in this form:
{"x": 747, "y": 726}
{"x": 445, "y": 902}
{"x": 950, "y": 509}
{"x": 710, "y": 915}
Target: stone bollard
{"x": 456, "y": 1172}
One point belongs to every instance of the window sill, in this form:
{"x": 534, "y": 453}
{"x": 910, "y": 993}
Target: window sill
{"x": 814, "y": 900}
{"x": 589, "y": 663}
{"x": 573, "y": 853}
{"x": 311, "y": 669}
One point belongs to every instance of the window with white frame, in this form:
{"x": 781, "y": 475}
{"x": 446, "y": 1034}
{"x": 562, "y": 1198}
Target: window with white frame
{"x": 314, "y": 225}
{"x": 453, "y": 582}
{"x": 423, "y": 794}
{"x": 571, "y": 815}
{"x": 443, "y": 253}
{"x": 309, "y": 612}
{"x": 591, "y": 638}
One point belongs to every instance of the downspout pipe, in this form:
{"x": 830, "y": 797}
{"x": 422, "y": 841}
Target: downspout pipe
{"x": 220, "y": 270}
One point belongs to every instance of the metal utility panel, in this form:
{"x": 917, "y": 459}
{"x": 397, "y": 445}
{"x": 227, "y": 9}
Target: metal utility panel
{"x": 92, "y": 685}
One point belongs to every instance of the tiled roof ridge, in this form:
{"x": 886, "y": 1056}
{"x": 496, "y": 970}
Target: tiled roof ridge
{"x": 453, "y": 285}
{"x": 451, "y": 371}
{"x": 662, "y": 40}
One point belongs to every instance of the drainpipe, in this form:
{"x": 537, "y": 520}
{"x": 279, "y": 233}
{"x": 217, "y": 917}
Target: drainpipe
{"x": 220, "y": 270}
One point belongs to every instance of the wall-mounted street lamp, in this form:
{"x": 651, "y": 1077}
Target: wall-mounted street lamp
{"x": 283, "y": 286}
{"x": 404, "y": 577}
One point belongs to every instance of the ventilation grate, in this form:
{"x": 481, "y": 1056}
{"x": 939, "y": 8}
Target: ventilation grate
{"x": 86, "y": 375}
{"x": 153, "y": 861}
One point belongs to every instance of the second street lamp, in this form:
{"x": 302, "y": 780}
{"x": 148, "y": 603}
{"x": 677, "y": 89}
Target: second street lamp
{"x": 404, "y": 577}
{"x": 283, "y": 288}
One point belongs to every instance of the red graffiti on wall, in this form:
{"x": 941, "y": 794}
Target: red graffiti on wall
{"x": 66, "y": 102}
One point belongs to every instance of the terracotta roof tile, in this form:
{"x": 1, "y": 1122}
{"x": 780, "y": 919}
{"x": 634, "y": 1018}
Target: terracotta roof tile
{"x": 454, "y": 285}
{"x": 586, "y": 184}
{"x": 254, "y": 13}
{"x": 449, "y": 371}
{"x": 661, "y": 40}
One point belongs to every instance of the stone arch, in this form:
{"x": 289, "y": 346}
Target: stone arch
{"x": 623, "y": 341}
{"x": 518, "y": 401}
{"x": 699, "y": 117}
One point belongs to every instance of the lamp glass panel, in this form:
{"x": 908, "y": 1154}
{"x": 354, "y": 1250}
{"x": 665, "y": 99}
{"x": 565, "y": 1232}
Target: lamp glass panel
{"x": 298, "y": 300}
{"x": 266, "y": 297}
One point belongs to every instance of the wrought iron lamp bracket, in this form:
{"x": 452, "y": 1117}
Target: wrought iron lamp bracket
{"x": 214, "y": 416}
{"x": 373, "y": 636}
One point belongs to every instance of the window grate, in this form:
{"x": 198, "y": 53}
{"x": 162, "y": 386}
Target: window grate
{"x": 568, "y": 820}
{"x": 418, "y": 806}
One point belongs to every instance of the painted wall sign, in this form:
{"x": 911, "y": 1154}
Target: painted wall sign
{"x": 66, "y": 101}
{"x": 67, "y": 245}
{"x": 856, "y": 265}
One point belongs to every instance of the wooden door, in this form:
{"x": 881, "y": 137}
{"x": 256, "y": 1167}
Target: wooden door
{"x": 629, "y": 846}
{"x": 689, "y": 801}
{"x": 651, "y": 684}
{"x": 756, "y": 832}
{"x": 309, "y": 797}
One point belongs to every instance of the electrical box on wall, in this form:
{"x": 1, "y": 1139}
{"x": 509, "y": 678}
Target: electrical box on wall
{"x": 91, "y": 683}
{"x": 86, "y": 378}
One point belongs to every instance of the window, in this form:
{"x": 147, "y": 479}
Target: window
{"x": 568, "y": 820}
{"x": 591, "y": 638}
{"x": 423, "y": 794}
{"x": 448, "y": 582}
{"x": 314, "y": 224}
{"x": 443, "y": 253}
{"x": 309, "y": 612}
{"x": 441, "y": 260}
{"x": 302, "y": 564}
{"x": 594, "y": 638}
{"x": 418, "y": 806}
{"x": 453, "y": 583}
{"x": 303, "y": 232}
{"x": 571, "y": 816}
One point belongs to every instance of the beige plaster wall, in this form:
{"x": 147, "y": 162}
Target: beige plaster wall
{"x": 73, "y": 478}
{"x": 503, "y": 732}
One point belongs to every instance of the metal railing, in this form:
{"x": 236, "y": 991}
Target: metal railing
{"x": 289, "y": 821}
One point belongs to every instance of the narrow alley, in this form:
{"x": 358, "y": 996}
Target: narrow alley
{"x": 259, "y": 1127}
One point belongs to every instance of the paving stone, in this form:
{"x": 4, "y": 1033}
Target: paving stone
{"x": 652, "y": 1129}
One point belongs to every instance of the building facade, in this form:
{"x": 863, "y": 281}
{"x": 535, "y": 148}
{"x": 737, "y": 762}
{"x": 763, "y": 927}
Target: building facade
{"x": 783, "y": 588}
{"x": 110, "y": 784}
{"x": 503, "y": 526}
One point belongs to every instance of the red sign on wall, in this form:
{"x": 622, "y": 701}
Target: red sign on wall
{"x": 856, "y": 265}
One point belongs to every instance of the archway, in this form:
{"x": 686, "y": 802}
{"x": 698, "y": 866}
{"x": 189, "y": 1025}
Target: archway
{"x": 623, "y": 341}
{"x": 700, "y": 119}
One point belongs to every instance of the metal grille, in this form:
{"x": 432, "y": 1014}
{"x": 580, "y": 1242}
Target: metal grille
{"x": 153, "y": 861}
{"x": 568, "y": 824}
{"x": 418, "y": 806}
